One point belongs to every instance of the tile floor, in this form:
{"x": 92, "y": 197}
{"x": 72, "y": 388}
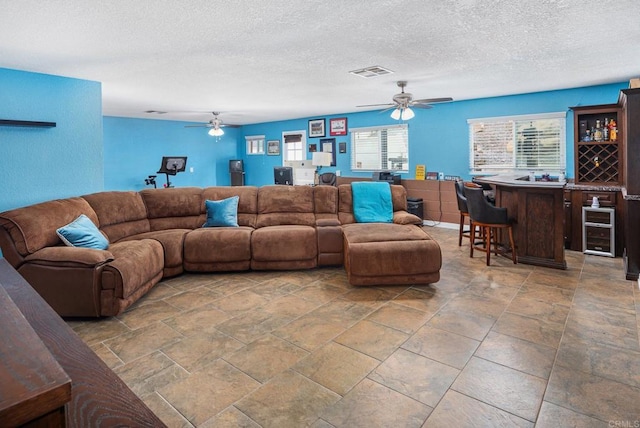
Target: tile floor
{"x": 506, "y": 345}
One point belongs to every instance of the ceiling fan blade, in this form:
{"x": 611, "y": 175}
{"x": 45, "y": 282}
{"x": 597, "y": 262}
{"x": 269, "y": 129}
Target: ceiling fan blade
{"x": 377, "y": 105}
{"x": 224, "y": 125}
{"x": 431, "y": 100}
{"x": 423, "y": 106}
{"x": 198, "y": 126}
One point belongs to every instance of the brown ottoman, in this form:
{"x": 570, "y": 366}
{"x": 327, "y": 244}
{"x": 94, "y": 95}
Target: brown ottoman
{"x": 390, "y": 254}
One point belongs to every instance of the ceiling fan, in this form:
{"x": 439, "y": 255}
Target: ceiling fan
{"x": 215, "y": 124}
{"x": 403, "y": 102}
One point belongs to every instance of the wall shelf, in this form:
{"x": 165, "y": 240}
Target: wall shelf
{"x": 27, "y": 123}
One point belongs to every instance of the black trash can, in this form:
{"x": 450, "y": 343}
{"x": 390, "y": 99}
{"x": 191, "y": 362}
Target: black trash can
{"x": 415, "y": 206}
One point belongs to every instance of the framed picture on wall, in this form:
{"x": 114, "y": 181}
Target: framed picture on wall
{"x": 317, "y": 128}
{"x": 273, "y": 147}
{"x": 313, "y": 148}
{"x": 338, "y": 126}
{"x": 329, "y": 145}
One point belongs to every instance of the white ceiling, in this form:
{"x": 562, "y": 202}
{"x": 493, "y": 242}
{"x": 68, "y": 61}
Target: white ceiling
{"x": 265, "y": 60}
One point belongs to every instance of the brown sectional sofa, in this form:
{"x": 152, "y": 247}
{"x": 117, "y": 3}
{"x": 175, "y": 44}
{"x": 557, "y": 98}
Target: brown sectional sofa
{"x": 158, "y": 233}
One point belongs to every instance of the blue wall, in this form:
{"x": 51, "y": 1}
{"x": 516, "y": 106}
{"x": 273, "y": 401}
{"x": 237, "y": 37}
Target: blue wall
{"x": 40, "y": 164}
{"x": 133, "y": 150}
{"x": 438, "y": 137}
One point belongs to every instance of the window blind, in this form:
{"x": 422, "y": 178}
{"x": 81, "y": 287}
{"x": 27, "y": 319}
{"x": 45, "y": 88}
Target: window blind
{"x": 382, "y": 147}
{"x": 528, "y": 142}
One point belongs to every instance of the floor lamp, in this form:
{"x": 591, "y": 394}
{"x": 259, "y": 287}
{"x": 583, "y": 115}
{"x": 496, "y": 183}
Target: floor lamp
{"x": 319, "y": 160}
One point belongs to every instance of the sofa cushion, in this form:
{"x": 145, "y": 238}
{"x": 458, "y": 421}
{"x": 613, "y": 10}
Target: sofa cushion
{"x": 120, "y": 214}
{"x": 81, "y": 232}
{"x": 223, "y": 213}
{"x": 34, "y": 227}
{"x": 284, "y": 243}
{"x": 220, "y": 244}
{"x": 175, "y": 208}
{"x": 285, "y": 205}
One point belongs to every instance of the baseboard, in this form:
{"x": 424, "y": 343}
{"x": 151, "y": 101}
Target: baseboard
{"x": 444, "y": 225}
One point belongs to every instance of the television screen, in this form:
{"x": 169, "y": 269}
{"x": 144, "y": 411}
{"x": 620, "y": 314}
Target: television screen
{"x": 235, "y": 165}
{"x": 283, "y": 175}
{"x": 172, "y": 165}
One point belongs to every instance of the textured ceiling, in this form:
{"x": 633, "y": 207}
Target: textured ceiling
{"x": 257, "y": 60}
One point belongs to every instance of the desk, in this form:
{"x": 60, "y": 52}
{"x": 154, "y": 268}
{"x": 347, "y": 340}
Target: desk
{"x": 537, "y": 209}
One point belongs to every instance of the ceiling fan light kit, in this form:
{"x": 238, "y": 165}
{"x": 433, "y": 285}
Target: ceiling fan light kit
{"x": 403, "y": 102}
{"x": 215, "y": 126}
{"x": 216, "y": 132}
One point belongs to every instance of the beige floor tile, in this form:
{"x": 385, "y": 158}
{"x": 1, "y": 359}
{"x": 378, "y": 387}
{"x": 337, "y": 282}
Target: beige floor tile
{"x": 288, "y": 400}
{"x": 239, "y": 302}
{"x": 266, "y": 357}
{"x": 400, "y": 317}
{"x": 147, "y": 313}
{"x": 544, "y": 311}
{"x": 193, "y": 298}
{"x": 336, "y": 367}
{"x": 442, "y": 346}
{"x": 425, "y": 301}
{"x": 369, "y": 296}
{"x": 372, "y": 339}
{"x": 604, "y": 324}
{"x": 252, "y": 325}
{"x": 106, "y": 355}
{"x": 465, "y": 324}
{"x": 600, "y": 360}
{"x": 320, "y": 292}
{"x": 167, "y": 414}
{"x": 508, "y": 389}
{"x": 198, "y": 320}
{"x": 370, "y": 404}
{"x": 209, "y": 391}
{"x": 458, "y": 410}
{"x": 150, "y": 373}
{"x": 551, "y": 415}
{"x": 546, "y": 293}
{"x": 501, "y": 278}
{"x": 230, "y": 417}
{"x": 533, "y": 330}
{"x": 492, "y": 290}
{"x": 528, "y": 357}
{"x": 143, "y": 341}
{"x": 201, "y": 349}
{"x": 274, "y": 288}
{"x": 290, "y": 307}
{"x": 160, "y": 291}
{"x": 101, "y": 329}
{"x": 605, "y": 291}
{"x": 427, "y": 381}
{"x": 567, "y": 279}
{"x": 593, "y": 396}
{"x": 310, "y": 331}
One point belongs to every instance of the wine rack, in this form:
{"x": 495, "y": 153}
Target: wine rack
{"x": 597, "y": 162}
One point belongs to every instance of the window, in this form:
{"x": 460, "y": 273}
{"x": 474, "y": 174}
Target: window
{"x": 528, "y": 142}
{"x": 380, "y": 147}
{"x": 294, "y": 144}
{"x": 255, "y": 144}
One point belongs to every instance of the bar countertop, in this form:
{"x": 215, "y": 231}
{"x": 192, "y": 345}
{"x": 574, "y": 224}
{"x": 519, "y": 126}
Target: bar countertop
{"x": 518, "y": 180}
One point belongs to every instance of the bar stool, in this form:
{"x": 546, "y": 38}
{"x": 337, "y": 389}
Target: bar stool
{"x": 489, "y": 219}
{"x": 464, "y": 211}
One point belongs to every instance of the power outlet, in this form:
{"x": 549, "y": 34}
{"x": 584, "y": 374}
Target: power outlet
{"x": 191, "y": 169}
{"x": 337, "y": 173}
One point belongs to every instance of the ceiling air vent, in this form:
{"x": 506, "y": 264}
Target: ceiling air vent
{"x": 374, "y": 71}
{"x": 155, "y": 112}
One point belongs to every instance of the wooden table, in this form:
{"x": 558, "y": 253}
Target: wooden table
{"x": 98, "y": 397}
{"x": 538, "y": 212}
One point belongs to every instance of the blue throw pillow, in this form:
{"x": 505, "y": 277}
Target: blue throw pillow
{"x": 372, "y": 202}
{"x": 81, "y": 232}
{"x": 223, "y": 213}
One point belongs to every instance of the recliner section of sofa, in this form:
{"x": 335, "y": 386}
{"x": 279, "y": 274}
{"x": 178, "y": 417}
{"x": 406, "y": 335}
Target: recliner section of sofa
{"x": 158, "y": 233}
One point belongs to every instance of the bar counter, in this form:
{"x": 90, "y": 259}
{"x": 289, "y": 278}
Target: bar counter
{"x": 537, "y": 209}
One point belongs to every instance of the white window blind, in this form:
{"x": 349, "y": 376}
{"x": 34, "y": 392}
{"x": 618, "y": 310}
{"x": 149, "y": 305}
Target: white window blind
{"x": 255, "y": 144}
{"x": 294, "y": 144}
{"x": 380, "y": 147}
{"x": 528, "y": 142}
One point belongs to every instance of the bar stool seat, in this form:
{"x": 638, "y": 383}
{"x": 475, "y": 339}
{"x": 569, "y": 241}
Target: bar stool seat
{"x": 489, "y": 219}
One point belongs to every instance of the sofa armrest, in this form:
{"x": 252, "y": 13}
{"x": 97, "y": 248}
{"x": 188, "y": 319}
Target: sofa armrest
{"x": 70, "y": 257}
{"x": 321, "y": 222}
{"x": 403, "y": 217}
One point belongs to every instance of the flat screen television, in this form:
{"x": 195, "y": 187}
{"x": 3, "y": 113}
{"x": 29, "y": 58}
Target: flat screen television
{"x": 235, "y": 165}
{"x": 172, "y": 165}
{"x": 283, "y": 175}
